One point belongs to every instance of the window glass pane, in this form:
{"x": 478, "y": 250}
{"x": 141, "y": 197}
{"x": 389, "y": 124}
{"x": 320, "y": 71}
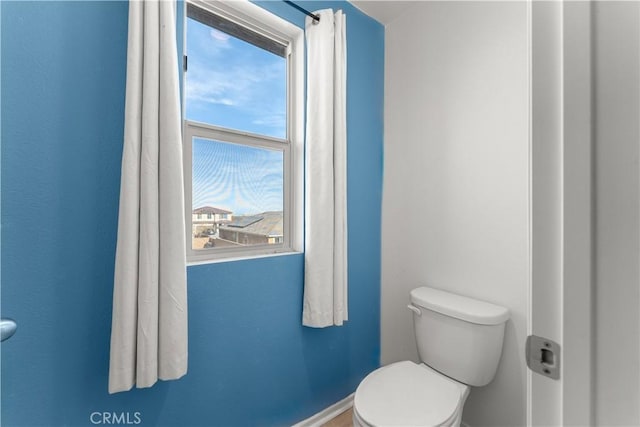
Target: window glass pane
{"x": 234, "y": 84}
{"x": 242, "y": 188}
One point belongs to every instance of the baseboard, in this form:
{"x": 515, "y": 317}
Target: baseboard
{"x": 463, "y": 424}
{"x": 328, "y": 413}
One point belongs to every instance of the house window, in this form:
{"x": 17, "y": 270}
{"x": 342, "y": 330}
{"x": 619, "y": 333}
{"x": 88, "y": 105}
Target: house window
{"x": 242, "y": 130}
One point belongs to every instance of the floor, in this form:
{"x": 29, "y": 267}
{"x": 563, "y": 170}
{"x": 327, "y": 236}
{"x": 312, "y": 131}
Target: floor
{"x": 342, "y": 420}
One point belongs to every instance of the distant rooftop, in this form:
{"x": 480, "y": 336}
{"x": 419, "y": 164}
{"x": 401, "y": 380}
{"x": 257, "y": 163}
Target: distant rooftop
{"x": 244, "y": 221}
{"x": 263, "y": 224}
{"x": 210, "y": 210}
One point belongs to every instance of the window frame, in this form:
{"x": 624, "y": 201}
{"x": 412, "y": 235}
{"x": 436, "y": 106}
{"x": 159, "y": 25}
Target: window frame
{"x": 261, "y": 21}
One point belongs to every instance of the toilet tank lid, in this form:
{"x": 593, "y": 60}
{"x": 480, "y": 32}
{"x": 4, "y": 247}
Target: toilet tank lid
{"x": 458, "y": 306}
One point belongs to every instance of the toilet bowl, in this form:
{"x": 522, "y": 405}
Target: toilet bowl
{"x": 459, "y": 341}
{"x": 408, "y": 394}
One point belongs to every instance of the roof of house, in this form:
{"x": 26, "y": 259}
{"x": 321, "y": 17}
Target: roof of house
{"x": 210, "y": 210}
{"x": 263, "y": 224}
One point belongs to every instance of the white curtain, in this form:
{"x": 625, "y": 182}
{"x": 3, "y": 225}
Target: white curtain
{"x": 149, "y": 324}
{"x": 325, "y": 286}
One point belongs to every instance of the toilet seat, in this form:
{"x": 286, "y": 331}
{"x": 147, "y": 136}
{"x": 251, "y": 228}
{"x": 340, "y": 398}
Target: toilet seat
{"x": 409, "y": 394}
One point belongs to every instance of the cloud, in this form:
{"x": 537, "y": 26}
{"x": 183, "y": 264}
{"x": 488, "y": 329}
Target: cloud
{"x": 219, "y": 35}
{"x": 272, "y": 120}
{"x": 204, "y": 40}
{"x": 225, "y": 71}
{"x": 252, "y": 88}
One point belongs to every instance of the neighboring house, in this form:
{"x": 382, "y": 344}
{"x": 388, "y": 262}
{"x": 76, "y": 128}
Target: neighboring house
{"x": 209, "y": 218}
{"x": 263, "y": 228}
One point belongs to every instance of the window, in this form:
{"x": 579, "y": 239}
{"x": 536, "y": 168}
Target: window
{"x": 242, "y": 131}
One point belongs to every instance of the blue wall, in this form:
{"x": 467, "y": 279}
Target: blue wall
{"x": 251, "y": 362}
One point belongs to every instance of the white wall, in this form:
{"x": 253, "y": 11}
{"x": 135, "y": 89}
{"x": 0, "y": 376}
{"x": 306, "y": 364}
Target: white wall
{"x": 617, "y": 218}
{"x": 455, "y": 209}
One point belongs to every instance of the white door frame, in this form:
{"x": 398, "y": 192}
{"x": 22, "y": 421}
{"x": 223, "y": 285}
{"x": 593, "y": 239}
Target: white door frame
{"x": 561, "y": 208}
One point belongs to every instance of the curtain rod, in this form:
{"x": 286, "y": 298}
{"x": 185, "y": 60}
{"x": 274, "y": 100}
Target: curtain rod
{"x": 316, "y": 18}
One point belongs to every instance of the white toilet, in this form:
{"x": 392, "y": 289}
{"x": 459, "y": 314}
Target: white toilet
{"x": 459, "y": 342}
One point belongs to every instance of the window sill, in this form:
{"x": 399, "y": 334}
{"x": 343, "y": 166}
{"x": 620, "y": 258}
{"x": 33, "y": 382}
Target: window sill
{"x": 242, "y": 258}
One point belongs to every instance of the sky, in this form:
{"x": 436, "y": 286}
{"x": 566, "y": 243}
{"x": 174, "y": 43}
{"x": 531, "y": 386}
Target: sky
{"x": 234, "y": 84}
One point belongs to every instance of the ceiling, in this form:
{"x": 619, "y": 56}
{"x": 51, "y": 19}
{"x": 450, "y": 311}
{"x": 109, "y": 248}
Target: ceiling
{"x": 384, "y": 11}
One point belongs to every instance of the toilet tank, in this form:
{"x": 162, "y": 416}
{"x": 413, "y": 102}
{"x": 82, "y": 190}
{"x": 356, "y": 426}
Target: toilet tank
{"x": 458, "y": 336}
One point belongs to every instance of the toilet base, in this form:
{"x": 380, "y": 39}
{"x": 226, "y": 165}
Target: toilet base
{"x": 358, "y": 422}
